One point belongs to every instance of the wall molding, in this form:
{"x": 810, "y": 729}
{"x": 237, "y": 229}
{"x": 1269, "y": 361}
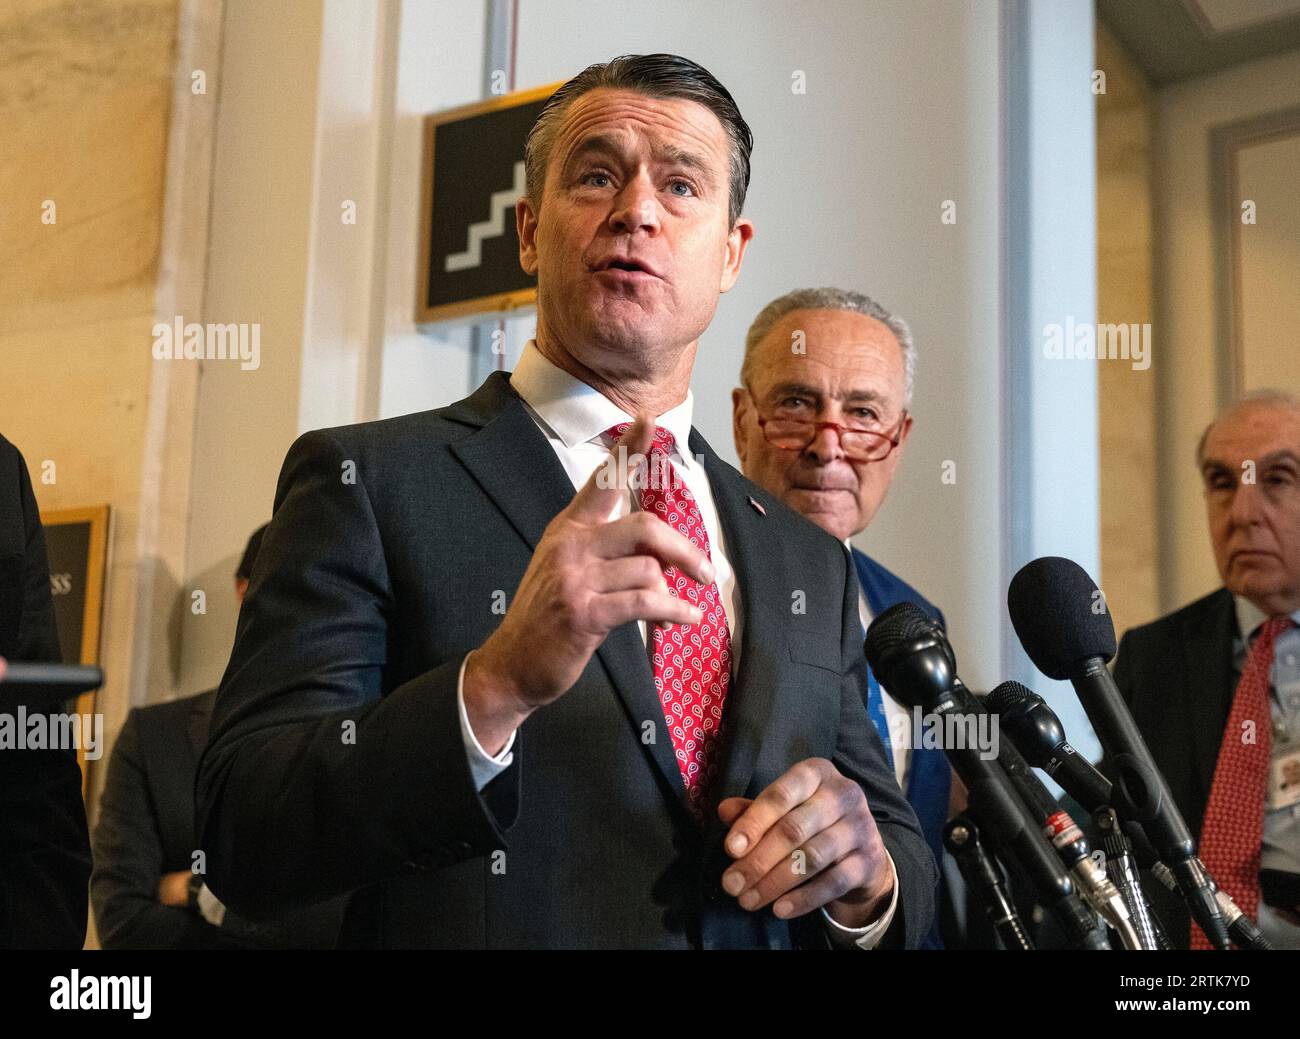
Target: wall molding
{"x": 1226, "y": 142}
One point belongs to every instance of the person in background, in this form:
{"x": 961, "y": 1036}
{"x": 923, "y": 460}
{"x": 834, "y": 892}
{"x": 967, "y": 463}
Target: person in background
{"x": 146, "y": 890}
{"x": 44, "y": 846}
{"x": 820, "y": 420}
{"x": 1215, "y": 686}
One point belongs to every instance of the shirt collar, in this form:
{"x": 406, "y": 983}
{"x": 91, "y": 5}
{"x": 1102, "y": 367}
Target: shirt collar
{"x": 577, "y": 413}
{"x": 1250, "y": 617}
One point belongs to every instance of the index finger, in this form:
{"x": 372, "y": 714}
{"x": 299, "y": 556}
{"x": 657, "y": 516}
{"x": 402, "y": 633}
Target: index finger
{"x": 605, "y": 487}
{"x": 782, "y": 796}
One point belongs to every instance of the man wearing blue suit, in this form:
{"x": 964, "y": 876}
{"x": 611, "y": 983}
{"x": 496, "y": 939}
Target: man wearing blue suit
{"x": 820, "y": 420}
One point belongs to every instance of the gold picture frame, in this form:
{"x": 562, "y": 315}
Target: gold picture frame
{"x": 92, "y": 611}
{"x": 483, "y": 305}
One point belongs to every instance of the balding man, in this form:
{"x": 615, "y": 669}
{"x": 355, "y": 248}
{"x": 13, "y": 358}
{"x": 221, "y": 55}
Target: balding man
{"x": 820, "y": 420}
{"x": 1215, "y": 687}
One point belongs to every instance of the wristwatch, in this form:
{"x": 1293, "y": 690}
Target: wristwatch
{"x": 192, "y": 887}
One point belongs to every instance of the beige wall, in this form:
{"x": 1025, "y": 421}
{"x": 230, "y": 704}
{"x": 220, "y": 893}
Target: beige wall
{"x": 86, "y": 126}
{"x": 87, "y": 114}
{"x": 1266, "y": 173}
{"x": 1126, "y": 397}
{"x": 1189, "y": 307}
{"x": 258, "y": 259}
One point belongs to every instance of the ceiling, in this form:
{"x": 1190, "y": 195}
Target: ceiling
{"x": 1178, "y": 39}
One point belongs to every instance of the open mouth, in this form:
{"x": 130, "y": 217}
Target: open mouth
{"x": 631, "y": 267}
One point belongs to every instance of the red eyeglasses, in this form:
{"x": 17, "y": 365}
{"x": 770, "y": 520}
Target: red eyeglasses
{"x": 858, "y": 444}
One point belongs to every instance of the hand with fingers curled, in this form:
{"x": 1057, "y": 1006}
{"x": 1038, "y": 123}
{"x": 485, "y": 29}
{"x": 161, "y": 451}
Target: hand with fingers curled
{"x": 808, "y": 841}
{"x": 588, "y": 575}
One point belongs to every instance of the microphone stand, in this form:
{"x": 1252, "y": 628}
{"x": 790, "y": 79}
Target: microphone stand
{"x": 961, "y": 837}
{"x": 1122, "y": 869}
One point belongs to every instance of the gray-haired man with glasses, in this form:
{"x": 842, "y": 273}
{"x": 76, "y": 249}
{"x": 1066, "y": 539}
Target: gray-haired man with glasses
{"x": 820, "y": 420}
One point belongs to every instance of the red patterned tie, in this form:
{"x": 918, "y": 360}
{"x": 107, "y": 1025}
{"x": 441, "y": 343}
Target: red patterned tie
{"x": 1233, "y": 830}
{"x": 692, "y": 664}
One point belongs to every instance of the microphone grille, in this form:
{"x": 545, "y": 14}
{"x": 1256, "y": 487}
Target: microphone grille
{"x": 898, "y": 625}
{"x": 1006, "y": 696}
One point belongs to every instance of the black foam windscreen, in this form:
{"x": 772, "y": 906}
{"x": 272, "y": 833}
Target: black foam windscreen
{"x": 1059, "y": 615}
{"x": 1006, "y": 696}
{"x": 901, "y": 623}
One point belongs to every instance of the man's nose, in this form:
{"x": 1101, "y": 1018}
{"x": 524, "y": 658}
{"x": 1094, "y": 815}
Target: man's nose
{"x": 1247, "y": 504}
{"x": 825, "y": 446}
{"x": 636, "y": 208}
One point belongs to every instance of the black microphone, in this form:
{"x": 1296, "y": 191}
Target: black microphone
{"x": 1036, "y": 731}
{"x": 1097, "y": 889}
{"x": 1038, "y": 734}
{"x": 912, "y": 658}
{"x": 1063, "y": 623}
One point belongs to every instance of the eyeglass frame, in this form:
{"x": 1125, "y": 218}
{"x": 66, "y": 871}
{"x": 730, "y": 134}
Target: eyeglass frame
{"x": 892, "y": 440}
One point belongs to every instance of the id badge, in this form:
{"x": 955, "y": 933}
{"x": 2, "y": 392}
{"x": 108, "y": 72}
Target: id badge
{"x": 1284, "y": 781}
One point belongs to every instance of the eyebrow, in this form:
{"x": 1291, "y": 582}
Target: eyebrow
{"x": 811, "y": 391}
{"x": 667, "y": 155}
{"x": 1214, "y": 466}
{"x": 1280, "y": 456}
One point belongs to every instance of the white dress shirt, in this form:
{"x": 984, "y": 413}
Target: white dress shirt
{"x": 897, "y": 716}
{"x": 573, "y": 417}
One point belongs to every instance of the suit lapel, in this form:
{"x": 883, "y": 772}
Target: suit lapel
{"x": 511, "y": 460}
{"x": 520, "y": 473}
{"x": 1207, "y": 642}
{"x": 759, "y": 563}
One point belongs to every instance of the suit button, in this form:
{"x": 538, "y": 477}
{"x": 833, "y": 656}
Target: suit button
{"x": 461, "y": 849}
{"x": 410, "y": 867}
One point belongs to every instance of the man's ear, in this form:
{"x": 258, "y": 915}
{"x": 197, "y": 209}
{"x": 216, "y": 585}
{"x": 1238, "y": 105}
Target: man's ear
{"x": 526, "y": 229}
{"x": 739, "y": 406}
{"x": 904, "y": 432}
{"x": 737, "y": 242}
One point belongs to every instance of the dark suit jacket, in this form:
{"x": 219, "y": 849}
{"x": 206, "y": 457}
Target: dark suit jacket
{"x": 146, "y": 829}
{"x": 1177, "y": 678}
{"x": 44, "y": 847}
{"x": 335, "y": 761}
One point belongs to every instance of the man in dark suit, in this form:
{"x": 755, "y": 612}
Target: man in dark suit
{"x": 820, "y": 420}
{"x": 505, "y": 714}
{"x": 1215, "y": 688}
{"x": 145, "y": 889}
{"x": 44, "y": 846}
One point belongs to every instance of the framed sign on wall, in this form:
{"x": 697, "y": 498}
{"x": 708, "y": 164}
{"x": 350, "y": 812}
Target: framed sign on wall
{"x": 76, "y": 542}
{"x": 472, "y": 176}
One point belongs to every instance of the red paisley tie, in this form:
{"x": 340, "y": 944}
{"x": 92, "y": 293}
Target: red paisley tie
{"x": 692, "y": 665}
{"x": 1233, "y": 830}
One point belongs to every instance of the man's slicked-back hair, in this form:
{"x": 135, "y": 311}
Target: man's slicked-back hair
{"x": 655, "y": 75}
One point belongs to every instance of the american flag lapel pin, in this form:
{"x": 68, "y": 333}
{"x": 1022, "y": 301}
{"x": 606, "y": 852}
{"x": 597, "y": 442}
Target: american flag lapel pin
{"x": 758, "y": 505}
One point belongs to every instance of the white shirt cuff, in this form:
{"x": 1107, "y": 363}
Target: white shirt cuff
{"x": 210, "y": 907}
{"x": 864, "y": 937}
{"x": 482, "y": 766}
